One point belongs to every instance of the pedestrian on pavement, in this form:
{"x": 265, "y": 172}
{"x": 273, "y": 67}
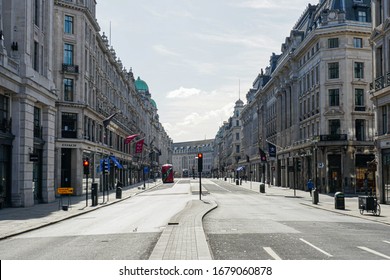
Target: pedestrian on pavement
{"x": 310, "y": 186}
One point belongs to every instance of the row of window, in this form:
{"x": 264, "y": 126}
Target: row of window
{"x": 93, "y": 131}
{"x": 334, "y": 127}
{"x": 312, "y": 102}
{"x": 334, "y": 71}
{"x": 332, "y": 44}
{"x": 105, "y": 80}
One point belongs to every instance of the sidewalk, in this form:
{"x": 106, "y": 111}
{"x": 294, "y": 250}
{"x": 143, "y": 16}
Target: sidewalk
{"x": 14, "y": 221}
{"x": 184, "y": 237}
{"x": 326, "y": 202}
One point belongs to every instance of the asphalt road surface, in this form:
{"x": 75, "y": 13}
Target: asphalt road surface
{"x": 248, "y": 225}
{"x": 126, "y": 230}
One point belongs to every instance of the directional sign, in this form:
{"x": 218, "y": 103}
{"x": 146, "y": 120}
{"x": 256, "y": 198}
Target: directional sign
{"x": 65, "y": 190}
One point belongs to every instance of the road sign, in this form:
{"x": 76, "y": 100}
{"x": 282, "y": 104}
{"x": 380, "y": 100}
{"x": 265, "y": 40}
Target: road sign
{"x": 146, "y": 169}
{"x": 65, "y": 190}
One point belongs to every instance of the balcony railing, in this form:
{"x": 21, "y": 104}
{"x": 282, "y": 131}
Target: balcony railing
{"x": 379, "y": 83}
{"x": 334, "y": 137}
{"x": 68, "y": 68}
{"x": 388, "y": 79}
{"x": 360, "y": 108}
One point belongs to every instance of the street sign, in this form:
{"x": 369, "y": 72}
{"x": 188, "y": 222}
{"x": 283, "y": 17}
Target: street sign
{"x": 146, "y": 169}
{"x": 34, "y": 157}
{"x": 65, "y": 190}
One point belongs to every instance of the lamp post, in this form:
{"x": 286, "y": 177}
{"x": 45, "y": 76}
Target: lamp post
{"x": 315, "y": 142}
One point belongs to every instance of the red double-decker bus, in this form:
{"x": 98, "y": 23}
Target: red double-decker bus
{"x": 167, "y": 173}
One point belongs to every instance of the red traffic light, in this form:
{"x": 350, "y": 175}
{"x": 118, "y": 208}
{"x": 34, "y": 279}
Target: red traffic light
{"x": 86, "y": 166}
{"x": 200, "y": 155}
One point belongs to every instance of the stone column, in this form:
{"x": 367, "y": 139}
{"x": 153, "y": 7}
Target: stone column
{"x": 23, "y": 145}
{"x": 48, "y": 123}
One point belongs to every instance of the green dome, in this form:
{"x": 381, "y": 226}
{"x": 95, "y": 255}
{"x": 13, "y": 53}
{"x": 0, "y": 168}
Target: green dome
{"x": 153, "y": 103}
{"x": 141, "y": 86}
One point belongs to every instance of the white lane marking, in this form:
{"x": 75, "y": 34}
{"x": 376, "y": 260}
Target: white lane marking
{"x": 388, "y": 242}
{"x": 272, "y": 253}
{"x": 220, "y": 187}
{"x": 315, "y": 247}
{"x": 374, "y": 252}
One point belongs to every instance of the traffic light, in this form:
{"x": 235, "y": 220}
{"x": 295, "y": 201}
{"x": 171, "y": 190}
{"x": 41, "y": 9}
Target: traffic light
{"x": 86, "y": 166}
{"x": 299, "y": 167}
{"x": 106, "y": 167}
{"x": 263, "y": 156}
{"x": 200, "y": 162}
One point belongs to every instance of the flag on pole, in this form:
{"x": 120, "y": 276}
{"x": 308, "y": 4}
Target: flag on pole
{"x": 271, "y": 150}
{"x": 106, "y": 121}
{"x": 139, "y": 145}
{"x": 130, "y": 138}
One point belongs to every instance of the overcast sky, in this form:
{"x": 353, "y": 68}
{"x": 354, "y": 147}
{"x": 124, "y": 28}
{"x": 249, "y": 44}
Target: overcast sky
{"x": 197, "y": 56}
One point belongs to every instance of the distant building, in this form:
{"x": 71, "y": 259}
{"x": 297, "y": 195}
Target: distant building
{"x": 228, "y": 147}
{"x": 184, "y": 157}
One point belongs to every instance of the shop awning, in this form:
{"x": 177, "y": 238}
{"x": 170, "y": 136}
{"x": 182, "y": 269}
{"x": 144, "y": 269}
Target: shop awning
{"x": 116, "y": 162}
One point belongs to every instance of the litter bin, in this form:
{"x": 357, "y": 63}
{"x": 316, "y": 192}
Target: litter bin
{"x": 262, "y": 188}
{"x": 315, "y": 196}
{"x": 119, "y": 190}
{"x": 339, "y": 201}
{"x": 237, "y": 182}
{"x": 94, "y": 194}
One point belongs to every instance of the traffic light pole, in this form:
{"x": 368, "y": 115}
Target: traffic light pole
{"x": 86, "y": 191}
{"x": 104, "y": 186}
{"x": 200, "y": 185}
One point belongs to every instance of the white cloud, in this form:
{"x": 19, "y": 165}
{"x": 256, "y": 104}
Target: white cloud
{"x": 257, "y": 41}
{"x": 267, "y": 4}
{"x": 160, "y": 49}
{"x": 194, "y": 112}
{"x": 184, "y": 93}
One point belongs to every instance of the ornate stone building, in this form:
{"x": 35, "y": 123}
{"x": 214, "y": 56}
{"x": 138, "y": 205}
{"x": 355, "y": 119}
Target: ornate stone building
{"x": 65, "y": 96}
{"x": 93, "y": 86}
{"x": 228, "y": 152}
{"x": 28, "y": 103}
{"x": 312, "y": 102}
{"x": 184, "y": 158}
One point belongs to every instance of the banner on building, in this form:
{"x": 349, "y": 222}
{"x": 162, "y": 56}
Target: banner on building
{"x": 130, "y": 138}
{"x": 271, "y": 150}
{"x": 138, "y": 146}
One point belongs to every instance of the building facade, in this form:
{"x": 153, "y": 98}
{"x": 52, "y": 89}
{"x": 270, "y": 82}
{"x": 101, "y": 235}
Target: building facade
{"x": 28, "y": 103}
{"x": 184, "y": 158}
{"x": 65, "y": 96}
{"x": 94, "y": 87}
{"x": 380, "y": 91}
{"x": 312, "y": 102}
{"x": 228, "y": 152}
